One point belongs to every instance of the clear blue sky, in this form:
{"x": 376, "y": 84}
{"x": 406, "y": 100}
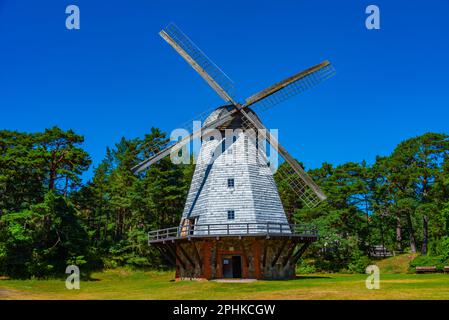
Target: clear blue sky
{"x": 116, "y": 77}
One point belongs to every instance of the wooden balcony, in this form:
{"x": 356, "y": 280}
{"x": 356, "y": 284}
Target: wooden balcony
{"x": 267, "y": 230}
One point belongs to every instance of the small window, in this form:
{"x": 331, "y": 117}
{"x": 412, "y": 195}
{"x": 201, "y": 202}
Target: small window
{"x": 234, "y": 139}
{"x": 230, "y": 183}
{"x": 231, "y": 214}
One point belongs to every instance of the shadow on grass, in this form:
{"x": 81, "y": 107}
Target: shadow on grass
{"x": 311, "y": 277}
{"x": 299, "y": 277}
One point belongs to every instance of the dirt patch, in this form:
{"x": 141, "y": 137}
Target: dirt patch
{"x": 234, "y": 280}
{"x": 8, "y": 294}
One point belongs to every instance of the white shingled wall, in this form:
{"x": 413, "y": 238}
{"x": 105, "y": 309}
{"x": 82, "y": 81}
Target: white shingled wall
{"x": 254, "y": 197}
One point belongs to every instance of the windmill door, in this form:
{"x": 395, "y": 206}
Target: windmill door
{"x": 188, "y": 226}
{"x": 232, "y": 267}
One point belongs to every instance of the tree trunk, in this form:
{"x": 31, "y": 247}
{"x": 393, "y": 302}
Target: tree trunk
{"x": 411, "y": 234}
{"x": 52, "y": 173}
{"x": 425, "y": 234}
{"x": 66, "y": 187}
{"x": 368, "y": 234}
{"x": 398, "y": 232}
{"x": 382, "y": 236}
{"x": 51, "y": 183}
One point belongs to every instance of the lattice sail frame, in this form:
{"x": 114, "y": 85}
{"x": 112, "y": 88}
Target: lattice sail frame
{"x": 286, "y": 174}
{"x": 201, "y": 59}
{"x": 188, "y": 126}
{"x": 304, "y": 83}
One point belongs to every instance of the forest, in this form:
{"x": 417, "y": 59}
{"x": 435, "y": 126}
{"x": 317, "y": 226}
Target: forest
{"x": 51, "y": 218}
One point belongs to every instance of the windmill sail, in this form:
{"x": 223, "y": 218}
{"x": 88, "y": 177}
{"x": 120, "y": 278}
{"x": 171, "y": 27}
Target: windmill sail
{"x": 210, "y": 72}
{"x": 177, "y": 145}
{"x": 290, "y": 87}
{"x": 293, "y": 174}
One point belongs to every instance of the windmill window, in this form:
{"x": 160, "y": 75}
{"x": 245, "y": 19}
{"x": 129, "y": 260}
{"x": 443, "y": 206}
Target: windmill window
{"x": 231, "y": 214}
{"x": 230, "y": 183}
{"x": 234, "y": 139}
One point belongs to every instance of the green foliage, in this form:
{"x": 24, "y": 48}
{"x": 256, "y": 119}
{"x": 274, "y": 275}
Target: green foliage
{"x": 42, "y": 240}
{"x": 399, "y": 202}
{"x": 442, "y": 248}
{"x": 305, "y": 268}
{"x": 359, "y": 262}
{"x": 428, "y": 261}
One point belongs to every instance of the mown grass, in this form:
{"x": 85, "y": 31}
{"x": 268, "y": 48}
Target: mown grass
{"x": 124, "y": 284}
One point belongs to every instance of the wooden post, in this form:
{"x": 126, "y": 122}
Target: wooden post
{"x": 278, "y": 254}
{"x": 207, "y": 250}
{"x": 289, "y": 254}
{"x": 218, "y": 270}
{"x": 264, "y": 261}
{"x": 195, "y": 250}
{"x": 245, "y": 256}
{"x": 256, "y": 259}
{"x": 299, "y": 253}
{"x": 166, "y": 256}
{"x": 186, "y": 255}
{"x": 175, "y": 255}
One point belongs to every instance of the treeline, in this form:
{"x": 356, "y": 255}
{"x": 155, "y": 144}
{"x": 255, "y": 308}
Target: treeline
{"x": 50, "y": 219}
{"x": 401, "y": 202}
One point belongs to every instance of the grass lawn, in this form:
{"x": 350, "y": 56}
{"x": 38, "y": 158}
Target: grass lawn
{"x": 395, "y": 283}
{"x": 123, "y": 284}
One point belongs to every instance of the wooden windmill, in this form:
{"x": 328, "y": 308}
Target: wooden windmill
{"x": 233, "y": 224}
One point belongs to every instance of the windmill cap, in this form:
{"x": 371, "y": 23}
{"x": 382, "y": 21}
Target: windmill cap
{"x": 234, "y": 123}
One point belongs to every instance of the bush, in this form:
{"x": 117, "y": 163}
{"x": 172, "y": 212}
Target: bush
{"x": 442, "y": 247}
{"x": 305, "y": 268}
{"x": 42, "y": 240}
{"x": 359, "y": 262}
{"x": 439, "y": 256}
{"x": 429, "y": 261}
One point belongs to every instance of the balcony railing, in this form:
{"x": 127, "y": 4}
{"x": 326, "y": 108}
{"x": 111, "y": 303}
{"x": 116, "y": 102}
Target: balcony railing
{"x": 233, "y": 229}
